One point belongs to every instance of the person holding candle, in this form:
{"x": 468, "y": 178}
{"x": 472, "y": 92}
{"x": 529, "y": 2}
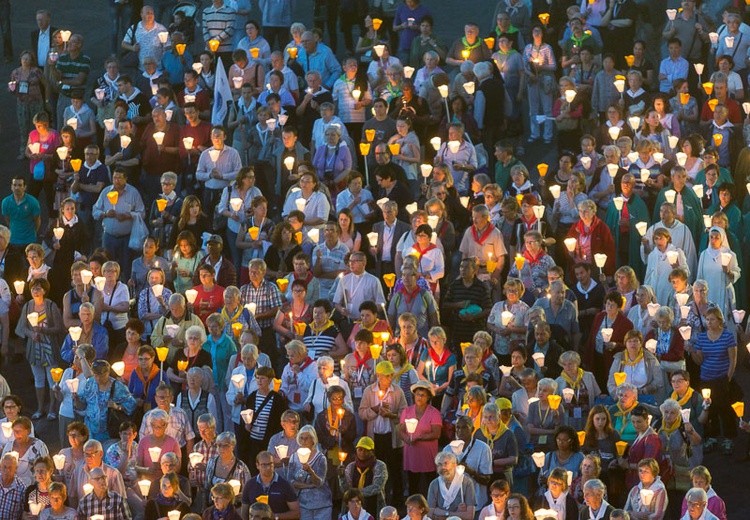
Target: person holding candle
{"x": 281, "y": 497}
{"x": 102, "y": 498}
{"x": 583, "y": 385}
{"x": 144, "y": 378}
{"x": 73, "y": 234}
{"x": 701, "y": 479}
{"x": 255, "y": 243}
{"x": 298, "y": 375}
{"x": 42, "y": 325}
{"x": 225, "y": 466}
{"x": 222, "y": 501}
{"x": 158, "y": 438}
{"x": 84, "y": 473}
{"x": 11, "y": 405}
{"x": 122, "y": 454}
{"x": 167, "y": 500}
{"x": 57, "y": 510}
{"x": 670, "y": 346}
{"x": 647, "y": 444}
{"x": 285, "y": 442}
{"x": 152, "y": 306}
{"x": 142, "y": 266}
{"x": 534, "y": 261}
{"x": 205, "y": 450}
{"x": 639, "y": 314}
{"x": 719, "y": 267}
{"x": 79, "y": 294}
{"x": 501, "y": 440}
{"x": 437, "y": 364}
{"x": 192, "y": 219}
{"x": 451, "y": 494}
{"x": 623, "y": 215}
{"x": 236, "y": 318}
{"x": 210, "y": 295}
{"x": 601, "y": 440}
{"x": 648, "y": 499}
{"x": 641, "y": 367}
{"x": 607, "y": 336}
{"x": 185, "y": 259}
{"x": 590, "y": 469}
{"x": 367, "y": 475}
{"x": 267, "y": 406}
{"x": 195, "y": 400}
{"x": 595, "y": 505}
{"x": 421, "y": 444}
{"x": 28, "y": 449}
{"x": 297, "y": 311}
{"x": 76, "y": 435}
{"x": 178, "y": 316}
{"x": 543, "y": 417}
{"x": 309, "y": 477}
{"x": 682, "y": 445}
{"x": 558, "y": 497}
{"x": 192, "y": 354}
{"x": 221, "y": 346}
{"x": 567, "y": 454}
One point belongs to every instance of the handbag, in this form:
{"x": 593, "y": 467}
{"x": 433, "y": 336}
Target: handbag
{"x": 220, "y": 221}
{"x": 138, "y": 233}
{"x": 130, "y": 59}
{"x": 116, "y": 417}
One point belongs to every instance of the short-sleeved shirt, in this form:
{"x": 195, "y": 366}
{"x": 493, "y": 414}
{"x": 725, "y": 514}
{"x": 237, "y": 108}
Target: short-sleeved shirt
{"x": 419, "y": 457}
{"x": 715, "y": 357}
{"x": 21, "y": 216}
{"x": 279, "y": 493}
{"x": 71, "y": 67}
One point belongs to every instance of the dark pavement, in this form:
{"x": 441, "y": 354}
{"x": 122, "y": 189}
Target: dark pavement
{"x": 730, "y": 474}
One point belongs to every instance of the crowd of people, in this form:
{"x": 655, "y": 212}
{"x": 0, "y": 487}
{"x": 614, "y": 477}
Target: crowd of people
{"x": 258, "y": 278}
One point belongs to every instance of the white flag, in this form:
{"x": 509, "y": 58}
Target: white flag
{"x": 222, "y": 95}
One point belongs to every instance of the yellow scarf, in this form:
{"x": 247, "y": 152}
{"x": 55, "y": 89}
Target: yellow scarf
{"x": 490, "y": 438}
{"x": 623, "y": 413}
{"x": 316, "y": 330}
{"x": 573, "y": 384}
{"x": 668, "y": 430}
{"x": 407, "y": 366}
{"x": 627, "y": 363}
{"x": 682, "y": 402}
{"x": 362, "y": 474}
{"x": 467, "y": 372}
{"x": 231, "y": 319}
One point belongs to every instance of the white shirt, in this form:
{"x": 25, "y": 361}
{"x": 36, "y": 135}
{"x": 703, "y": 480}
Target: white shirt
{"x": 359, "y": 289}
{"x": 42, "y": 48}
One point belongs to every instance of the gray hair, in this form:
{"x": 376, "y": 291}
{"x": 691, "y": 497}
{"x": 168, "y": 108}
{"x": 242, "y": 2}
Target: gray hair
{"x": 611, "y": 148}
{"x": 93, "y": 444}
{"x": 548, "y": 383}
{"x": 87, "y": 306}
{"x": 325, "y": 361}
{"x": 10, "y": 457}
{"x": 196, "y": 371}
{"x": 169, "y": 176}
{"x": 296, "y": 347}
{"x": 443, "y": 456}
{"x": 388, "y": 513}
{"x": 595, "y": 486}
{"x": 626, "y": 387}
{"x": 700, "y": 283}
{"x": 665, "y": 312}
{"x": 696, "y": 495}
{"x": 158, "y": 415}
{"x": 196, "y": 329}
{"x": 308, "y": 429}
{"x": 297, "y": 28}
{"x": 587, "y": 205}
{"x": 249, "y": 349}
{"x": 670, "y": 404}
{"x": 432, "y": 54}
{"x": 177, "y": 299}
{"x": 482, "y": 70}
{"x": 231, "y": 291}
{"x": 227, "y": 437}
{"x": 169, "y": 456}
{"x": 207, "y": 419}
{"x": 569, "y": 356}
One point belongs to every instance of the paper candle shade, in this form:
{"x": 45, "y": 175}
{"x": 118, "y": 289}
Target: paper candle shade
{"x": 538, "y": 458}
{"x": 118, "y": 368}
{"x": 570, "y": 95}
{"x": 672, "y": 257}
{"x": 172, "y": 330}
{"x": 739, "y": 409}
{"x": 621, "y": 446}
{"x": 72, "y": 385}
{"x": 59, "y": 461}
{"x": 620, "y": 378}
{"x": 161, "y": 204}
{"x": 671, "y": 14}
{"x": 443, "y": 90}
{"x": 712, "y": 105}
{"x": 236, "y": 486}
{"x": 647, "y": 496}
{"x": 618, "y": 202}
{"x": 641, "y": 227}
{"x": 125, "y": 141}
{"x": 154, "y": 452}
{"x": 87, "y": 488}
{"x": 538, "y": 358}
{"x": 585, "y": 162}
{"x": 542, "y": 168}
{"x": 113, "y": 197}
{"x": 159, "y": 138}
{"x": 658, "y": 157}
{"x": 56, "y": 374}
{"x": 62, "y": 152}
{"x": 191, "y": 295}
{"x": 7, "y": 429}
{"x": 213, "y": 44}
{"x": 581, "y": 437}
{"x": 389, "y": 279}
{"x": 554, "y": 401}
{"x": 197, "y": 67}
{"x": 238, "y": 380}
{"x": 303, "y": 454}
{"x": 555, "y": 191}
{"x": 686, "y": 331}
{"x": 505, "y": 370}
{"x": 570, "y": 244}
{"x": 180, "y": 48}
{"x": 282, "y": 450}
{"x": 187, "y": 142}
{"x": 506, "y": 317}
{"x": 684, "y": 98}
{"x": 174, "y": 515}
{"x": 632, "y": 157}
{"x": 34, "y": 148}
{"x": 612, "y": 170}
{"x": 73, "y": 123}
{"x": 372, "y": 238}
{"x": 698, "y": 190}
{"x": 195, "y": 458}
{"x": 144, "y": 486}
{"x": 629, "y": 60}
{"x": 453, "y": 146}
{"x": 706, "y": 393}
{"x": 408, "y": 72}
{"x": 411, "y": 425}
{"x": 634, "y": 122}
{"x": 411, "y": 208}
{"x": 600, "y": 259}
{"x": 247, "y": 415}
{"x": 489, "y": 42}
{"x": 652, "y": 308}
{"x": 457, "y": 447}
{"x": 75, "y": 333}
{"x": 292, "y": 51}
{"x": 435, "y": 142}
{"x": 708, "y": 87}
{"x": 685, "y": 413}
{"x": 726, "y": 258}
{"x": 738, "y": 315}
{"x": 162, "y": 353}
{"x": 33, "y": 318}
{"x": 375, "y": 351}
{"x": 651, "y": 345}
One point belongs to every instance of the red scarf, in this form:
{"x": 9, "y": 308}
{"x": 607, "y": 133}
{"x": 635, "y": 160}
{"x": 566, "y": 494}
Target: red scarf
{"x": 531, "y": 259}
{"x": 427, "y": 249}
{"x": 529, "y": 223}
{"x": 307, "y": 362}
{"x": 485, "y": 235}
{"x": 363, "y": 361}
{"x": 307, "y": 279}
{"x": 409, "y": 296}
{"x": 581, "y": 227}
{"x": 439, "y": 361}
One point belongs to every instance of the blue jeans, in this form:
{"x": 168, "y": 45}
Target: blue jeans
{"x": 118, "y": 250}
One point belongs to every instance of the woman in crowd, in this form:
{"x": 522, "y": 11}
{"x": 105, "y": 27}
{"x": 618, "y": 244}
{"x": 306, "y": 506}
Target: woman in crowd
{"x": 718, "y": 266}
{"x": 607, "y": 336}
{"x": 167, "y": 500}
{"x": 543, "y": 418}
{"x": 225, "y": 466}
{"x": 601, "y": 439}
{"x": 115, "y": 303}
{"x": 701, "y": 478}
{"x": 578, "y": 388}
{"x": 187, "y": 256}
{"x": 641, "y": 367}
{"x": 250, "y": 244}
{"x": 28, "y": 448}
{"x": 557, "y": 497}
{"x": 89, "y": 398}
{"x": 42, "y": 325}
{"x": 648, "y": 499}
{"x": 307, "y": 475}
{"x": 567, "y": 454}
{"x": 152, "y": 301}
{"x": 144, "y": 264}
{"x": 280, "y": 254}
{"x": 236, "y": 201}
{"x": 192, "y": 218}
{"x": 590, "y": 469}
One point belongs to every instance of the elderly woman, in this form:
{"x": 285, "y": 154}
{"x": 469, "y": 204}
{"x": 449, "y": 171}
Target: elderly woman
{"x": 582, "y": 383}
{"x": 192, "y": 353}
{"x": 316, "y": 206}
{"x": 501, "y": 441}
{"x": 91, "y": 334}
{"x": 333, "y": 161}
{"x": 639, "y": 314}
{"x": 317, "y": 399}
{"x": 116, "y": 303}
{"x": 718, "y": 266}
{"x": 620, "y": 413}
{"x": 641, "y": 367}
{"x": 565, "y": 208}
{"x": 451, "y": 494}
{"x": 267, "y": 405}
{"x": 91, "y": 398}
{"x": 308, "y": 478}
{"x": 38, "y": 492}
{"x": 28, "y": 449}
{"x": 158, "y": 421}
{"x": 78, "y": 295}
{"x": 543, "y": 419}
{"x": 531, "y": 266}
{"x": 244, "y": 190}
{"x": 680, "y": 442}
{"x": 421, "y": 446}
{"x": 701, "y": 479}
{"x": 715, "y": 350}
{"x": 222, "y": 496}
{"x": 557, "y": 496}
{"x": 162, "y": 222}
{"x": 568, "y": 115}
{"x": 437, "y": 364}
{"x": 591, "y": 468}
{"x": 195, "y": 400}
{"x": 11, "y": 405}
{"x": 649, "y": 481}
{"x": 41, "y": 324}
{"x": 592, "y": 237}
{"x": 610, "y": 322}
{"x": 596, "y": 506}
{"x": 225, "y": 466}
{"x": 662, "y": 260}
{"x": 670, "y": 345}
{"x": 233, "y": 313}
{"x": 152, "y": 306}
{"x": 298, "y": 375}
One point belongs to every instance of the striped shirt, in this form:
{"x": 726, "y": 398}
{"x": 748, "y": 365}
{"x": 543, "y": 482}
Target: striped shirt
{"x": 70, "y": 68}
{"x": 322, "y": 343}
{"x": 261, "y": 416}
{"x": 715, "y": 354}
{"x": 218, "y": 24}
{"x": 342, "y": 95}
{"x": 111, "y": 507}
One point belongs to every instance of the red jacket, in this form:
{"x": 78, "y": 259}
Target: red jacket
{"x": 620, "y": 327}
{"x": 601, "y": 242}
{"x": 676, "y": 350}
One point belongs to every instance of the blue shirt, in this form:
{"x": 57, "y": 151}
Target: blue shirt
{"x": 22, "y": 218}
{"x": 99, "y": 340}
{"x": 279, "y": 493}
{"x": 715, "y": 354}
{"x": 176, "y": 67}
{"x": 323, "y": 61}
{"x": 672, "y": 69}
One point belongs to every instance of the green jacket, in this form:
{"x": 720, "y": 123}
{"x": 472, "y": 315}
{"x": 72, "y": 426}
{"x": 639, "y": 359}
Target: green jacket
{"x": 502, "y": 173}
{"x": 693, "y": 210}
{"x": 638, "y": 213}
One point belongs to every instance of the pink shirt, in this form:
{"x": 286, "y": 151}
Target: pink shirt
{"x": 167, "y": 444}
{"x": 420, "y": 456}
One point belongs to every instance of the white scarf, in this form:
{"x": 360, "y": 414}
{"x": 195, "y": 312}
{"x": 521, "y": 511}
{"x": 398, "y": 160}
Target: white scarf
{"x": 40, "y": 272}
{"x": 558, "y": 505}
{"x": 600, "y": 514}
{"x": 172, "y": 195}
{"x": 449, "y": 494}
{"x": 362, "y": 515}
{"x": 70, "y": 223}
